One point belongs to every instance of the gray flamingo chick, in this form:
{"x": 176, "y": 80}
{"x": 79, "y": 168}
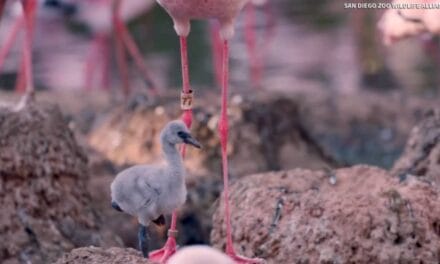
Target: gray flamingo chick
{"x": 151, "y": 191}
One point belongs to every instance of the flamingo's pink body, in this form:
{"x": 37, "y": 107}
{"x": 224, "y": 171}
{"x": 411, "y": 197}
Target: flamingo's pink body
{"x": 182, "y": 11}
{"x": 225, "y": 12}
{"x": 397, "y": 24}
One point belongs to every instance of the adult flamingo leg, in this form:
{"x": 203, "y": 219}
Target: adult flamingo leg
{"x": 125, "y": 43}
{"x": 170, "y": 247}
{"x": 216, "y": 46}
{"x": 104, "y": 59}
{"x": 91, "y": 64}
{"x": 223, "y": 128}
{"x": 269, "y": 33}
{"x": 20, "y": 83}
{"x": 134, "y": 52}
{"x": 29, "y": 8}
{"x": 251, "y": 43}
{"x": 10, "y": 40}
{"x": 121, "y": 56}
{"x": 2, "y": 7}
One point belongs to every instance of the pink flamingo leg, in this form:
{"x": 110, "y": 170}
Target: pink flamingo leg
{"x": 134, "y": 52}
{"x": 223, "y": 128}
{"x": 2, "y": 7}
{"x": 121, "y": 56}
{"x": 254, "y": 59}
{"x": 432, "y": 48}
{"x": 20, "y": 84}
{"x": 29, "y": 7}
{"x": 10, "y": 40}
{"x": 163, "y": 254}
{"x": 270, "y": 28}
{"x": 216, "y": 51}
{"x": 105, "y": 61}
{"x": 92, "y": 63}
{"x": 187, "y": 114}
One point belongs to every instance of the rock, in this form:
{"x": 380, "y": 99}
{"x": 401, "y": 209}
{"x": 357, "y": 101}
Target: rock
{"x": 43, "y": 178}
{"x": 95, "y": 255}
{"x": 298, "y": 216}
{"x": 421, "y": 157}
{"x": 363, "y": 127}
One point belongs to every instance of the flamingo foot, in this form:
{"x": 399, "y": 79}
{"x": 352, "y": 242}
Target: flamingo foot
{"x": 170, "y": 247}
{"x": 25, "y": 99}
{"x": 244, "y": 260}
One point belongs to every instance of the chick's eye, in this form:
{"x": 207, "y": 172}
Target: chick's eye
{"x": 181, "y": 134}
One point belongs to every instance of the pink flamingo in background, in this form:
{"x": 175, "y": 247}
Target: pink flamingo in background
{"x": 105, "y": 17}
{"x": 17, "y": 26}
{"x": 397, "y": 24}
{"x": 24, "y": 21}
{"x": 38, "y": 10}
{"x": 256, "y": 53}
{"x": 225, "y": 12}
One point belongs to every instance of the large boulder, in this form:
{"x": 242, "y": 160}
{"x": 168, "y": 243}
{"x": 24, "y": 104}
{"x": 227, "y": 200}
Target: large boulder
{"x": 421, "y": 157}
{"x": 363, "y": 127}
{"x": 304, "y": 216}
{"x": 43, "y": 178}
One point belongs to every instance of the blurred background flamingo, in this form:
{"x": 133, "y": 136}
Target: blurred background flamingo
{"x": 258, "y": 28}
{"x": 105, "y": 17}
{"x": 398, "y": 24}
{"x": 21, "y": 17}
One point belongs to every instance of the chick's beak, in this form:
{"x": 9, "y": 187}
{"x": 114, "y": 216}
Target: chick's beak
{"x": 188, "y": 139}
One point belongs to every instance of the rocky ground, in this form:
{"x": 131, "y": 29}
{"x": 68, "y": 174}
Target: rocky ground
{"x": 43, "y": 177}
{"x": 367, "y": 216}
{"x": 75, "y": 155}
{"x": 422, "y": 152}
{"x": 95, "y": 255}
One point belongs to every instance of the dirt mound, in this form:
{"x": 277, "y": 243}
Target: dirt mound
{"x": 367, "y": 216}
{"x": 43, "y": 178}
{"x": 95, "y": 255}
{"x": 421, "y": 157}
